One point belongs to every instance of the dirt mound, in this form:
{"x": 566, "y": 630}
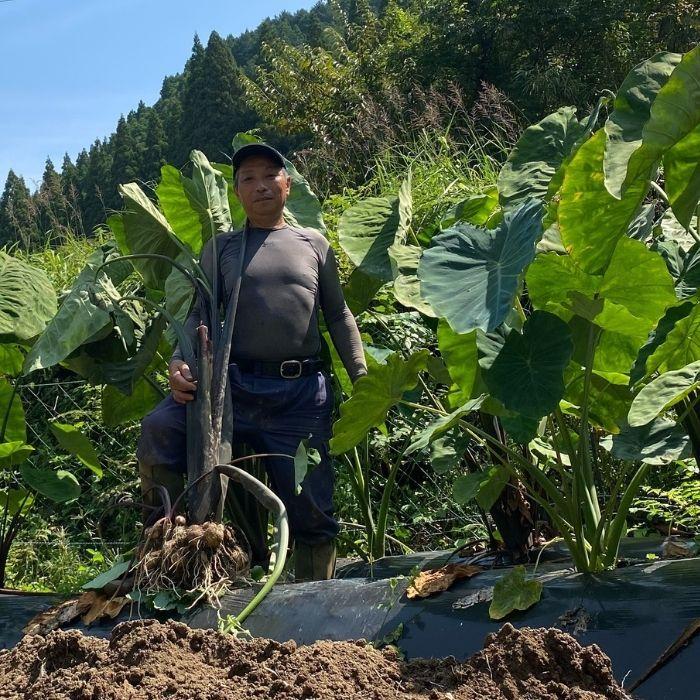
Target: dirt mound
{"x": 149, "y": 660}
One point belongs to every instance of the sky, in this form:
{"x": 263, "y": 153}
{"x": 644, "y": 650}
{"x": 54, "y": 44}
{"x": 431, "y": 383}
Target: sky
{"x": 70, "y": 68}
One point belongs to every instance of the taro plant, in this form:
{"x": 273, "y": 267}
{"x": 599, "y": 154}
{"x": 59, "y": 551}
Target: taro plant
{"x": 27, "y": 302}
{"x": 559, "y": 311}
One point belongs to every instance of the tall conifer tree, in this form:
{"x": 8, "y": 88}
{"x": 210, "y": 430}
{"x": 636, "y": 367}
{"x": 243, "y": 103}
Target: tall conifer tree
{"x": 17, "y": 216}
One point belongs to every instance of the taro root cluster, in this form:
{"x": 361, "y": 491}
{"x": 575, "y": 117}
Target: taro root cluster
{"x": 199, "y": 562}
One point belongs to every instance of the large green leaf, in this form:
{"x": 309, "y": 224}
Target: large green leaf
{"x": 460, "y": 353}
{"x": 365, "y": 232}
{"x": 404, "y": 266}
{"x": 117, "y": 408}
{"x": 657, "y": 112}
{"x": 448, "y": 450}
{"x": 112, "y": 574}
{"x": 537, "y": 155}
{"x": 79, "y": 320}
{"x": 662, "y": 393}
{"x": 148, "y": 231}
{"x": 27, "y": 300}
{"x": 477, "y": 209}
{"x": 12, "y": 500}
{"x": 238, "y": 215}
{"x": 77, "y": 444}
{"x": 59, "y": 486}
{"x": 659, "y": 442}
{"x": 682, "y": 176}
{"x": 373, "y": 395}
{"x": 528, "y": 374}
{"x": 13, "y": 453}
{"x": 178, "y": 210}
{"x": 207, "y": 193}
{"x": 514, "y": 591}
{"x": 11, "y": 360}
{"x": 656, "y": 339}
{"x": 591, "y": 220}
{"x": 641, "y": 126}
{"x": 11, "y": 414}
{"x": 680, "y": 347}
{"x": 441, "y": 425}
{"x": 471, "y": 275}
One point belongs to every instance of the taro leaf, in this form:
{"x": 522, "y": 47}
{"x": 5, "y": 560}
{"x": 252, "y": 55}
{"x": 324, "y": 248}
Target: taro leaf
{"x": 179, "y": 294}
{"x": 115, "y": 223}
{"x": 238, "y": 216}
{"x": 12, "y": 500}
{"x": 78, "y": 320}
{"x": 427, "y": 583}
{"x": 651, "y": 112}
{"x": 73, "y": 441}
{"x": 520, "y": 428}
{"x": 662, "y": 393}
{"x": 404, "y": 268}
{"x": 207, "y": 193}
{"x": 329, "y": 353}
{"x": 527, "y": 375}
{"x": 441, "y": 425}
{"x": 11, "y": 360}
{"x": 303, "y": 207}
{"x": 305, "y": 459}
{"x": 460, "y": 353}
{"x": 660, "y": 442}
{"x": 641, "y": 226}
{"x": 27, "y": 300}
{"x": 682, "y": 175}
{"x": 670, "y": 229}
{"x": 477, "y": 209}
{"x": 448, "y": 450}
{"x": 148, "y": 231}
{"x": 118, "y": 408}
{"x": 365, "y": 232}
{"x": 680, "y": 346}
{"x": 12, "y": 453}
{"x": 178, "y": 210}
{"x": 591, "y": 220}
{"x": 658, "y": 337}
{"x": 12, "y": 424}
{"x": 373, "y": 395}
{"x": 537, "y": 155}
{"x": 360, "y": 290}
{"x": 112, "y": 574}
{"x": 637, "y": 289}
{"x": 471, "y": 276}
{"x": 59, "y": 486}
{"x": 683, "y": 266}
{"x": 102, "y": 363}
{"x": 513, "y": 591}
{"x": 484, "y": 486}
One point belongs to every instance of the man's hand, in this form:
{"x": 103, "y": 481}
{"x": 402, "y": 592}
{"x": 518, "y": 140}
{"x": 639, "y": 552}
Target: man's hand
{"x": 182, "y": 384}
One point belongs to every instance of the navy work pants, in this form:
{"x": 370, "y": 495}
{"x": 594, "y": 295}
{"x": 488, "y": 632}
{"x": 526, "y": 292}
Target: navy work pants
{"x": 270, "y": 415}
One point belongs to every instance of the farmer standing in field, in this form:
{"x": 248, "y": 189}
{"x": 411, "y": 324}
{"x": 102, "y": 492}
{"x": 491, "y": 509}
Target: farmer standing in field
{"x": 280, "y": 393}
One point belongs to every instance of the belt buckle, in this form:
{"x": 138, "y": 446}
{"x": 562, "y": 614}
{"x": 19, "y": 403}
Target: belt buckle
{"x": 295, "y": 373}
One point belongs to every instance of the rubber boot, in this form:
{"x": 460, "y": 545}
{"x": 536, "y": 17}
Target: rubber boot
{"x": 314, "y": 562}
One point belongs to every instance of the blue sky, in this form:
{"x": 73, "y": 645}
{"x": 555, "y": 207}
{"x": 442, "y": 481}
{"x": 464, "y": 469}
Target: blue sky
{"x": 69, "y": 68}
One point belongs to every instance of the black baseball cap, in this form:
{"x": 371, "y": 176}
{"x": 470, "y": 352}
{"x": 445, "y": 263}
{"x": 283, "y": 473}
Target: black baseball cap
{"x": 256, "y": 149}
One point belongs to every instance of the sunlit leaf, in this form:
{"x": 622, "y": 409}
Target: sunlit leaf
{"x": 514, "y": 591}
{"x": 73, "y": 441}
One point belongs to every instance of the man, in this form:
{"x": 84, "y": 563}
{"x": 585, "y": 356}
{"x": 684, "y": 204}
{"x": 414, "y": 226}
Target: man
{"x": 280, "y": 393}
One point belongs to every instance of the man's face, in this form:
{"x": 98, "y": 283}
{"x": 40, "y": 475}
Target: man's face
{"x": 262, "y": 187}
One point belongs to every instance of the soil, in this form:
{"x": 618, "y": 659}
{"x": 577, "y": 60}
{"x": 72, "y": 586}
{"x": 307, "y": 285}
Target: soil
{"x": 150, "y": 660}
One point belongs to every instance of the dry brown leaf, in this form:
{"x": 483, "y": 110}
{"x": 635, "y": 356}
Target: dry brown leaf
{"x": 60, "y": 614}
{"x": 104, "y": 607}
{"x": 436, "y": 580}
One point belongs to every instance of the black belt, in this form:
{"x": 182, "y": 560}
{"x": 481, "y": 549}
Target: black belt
{"x": 287, "y": 369}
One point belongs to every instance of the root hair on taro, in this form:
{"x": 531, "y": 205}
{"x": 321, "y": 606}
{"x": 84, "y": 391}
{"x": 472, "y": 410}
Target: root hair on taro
{"x": 196, "y": 562}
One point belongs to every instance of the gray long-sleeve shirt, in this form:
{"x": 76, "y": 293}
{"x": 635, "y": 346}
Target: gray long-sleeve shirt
{"x": 288, "y": 275}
